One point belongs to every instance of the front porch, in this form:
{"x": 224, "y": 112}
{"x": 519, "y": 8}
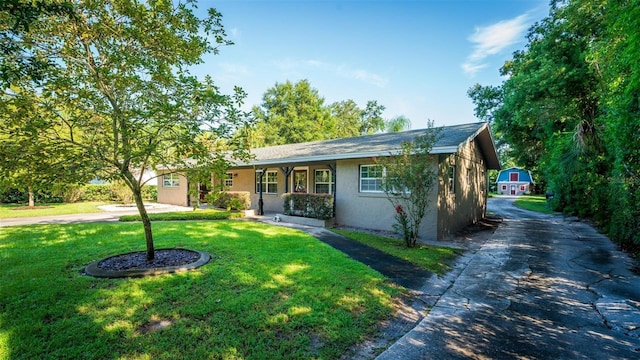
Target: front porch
{"x": 268, "y": 183}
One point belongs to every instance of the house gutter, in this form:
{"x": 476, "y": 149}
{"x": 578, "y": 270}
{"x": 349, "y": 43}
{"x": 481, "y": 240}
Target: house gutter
{"x": 332, "y": 157}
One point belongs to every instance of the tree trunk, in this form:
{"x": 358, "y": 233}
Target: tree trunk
{"x": 32, "y": 201}
{"x": 136, "y": 189}
{"x": 146, "y": 222}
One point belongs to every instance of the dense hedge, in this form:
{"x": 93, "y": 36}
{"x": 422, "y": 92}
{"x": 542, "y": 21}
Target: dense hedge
{"x": 75, "y": 193}
{"x": 230, "y": 200}
{"x": 187, "y": 215}
{"x": 317, "y": 206}
{"x": 14, "y": 196}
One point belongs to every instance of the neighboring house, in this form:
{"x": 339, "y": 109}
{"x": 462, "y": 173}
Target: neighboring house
{"x": 346, "y": 168}
{"x": 514, "y": 181}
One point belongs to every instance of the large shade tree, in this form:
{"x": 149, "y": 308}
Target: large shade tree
{"x": 295, "y": 112}
{"x": 121, "y": 92}
{"x": 569, "y": 108}
{"x": 28, "y": 164}
{"x": 291, "y": 113}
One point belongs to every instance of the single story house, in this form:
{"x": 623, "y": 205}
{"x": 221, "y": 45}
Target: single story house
{"x": 347, "y": 169}
{"x": 514, "y": 181}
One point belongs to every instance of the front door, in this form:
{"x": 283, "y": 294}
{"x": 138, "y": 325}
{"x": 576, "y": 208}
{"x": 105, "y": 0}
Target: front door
{"x": 300, "y": 181}
{"x": 513, "y": 189}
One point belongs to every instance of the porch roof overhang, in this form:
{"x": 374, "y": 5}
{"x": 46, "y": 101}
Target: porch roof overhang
{"x": 452, "y": 139}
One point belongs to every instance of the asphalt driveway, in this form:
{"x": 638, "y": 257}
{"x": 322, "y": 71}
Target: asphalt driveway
{"x": 543, "y": 287}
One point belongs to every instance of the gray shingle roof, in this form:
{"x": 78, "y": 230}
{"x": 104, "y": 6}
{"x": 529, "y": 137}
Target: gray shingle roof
{"x": 451, "y": 138}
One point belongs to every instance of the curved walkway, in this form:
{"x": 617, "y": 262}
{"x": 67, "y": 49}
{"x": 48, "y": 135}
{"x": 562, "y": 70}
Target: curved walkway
{"x": 397, "y": 270}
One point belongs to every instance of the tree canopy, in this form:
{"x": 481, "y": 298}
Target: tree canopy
{"x": 121, "y": 93}
{"x": 295, "y": 113}
{"x": 569, "y": 110}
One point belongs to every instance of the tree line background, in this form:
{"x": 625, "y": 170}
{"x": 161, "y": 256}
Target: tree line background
{"x": 569, "y": 110}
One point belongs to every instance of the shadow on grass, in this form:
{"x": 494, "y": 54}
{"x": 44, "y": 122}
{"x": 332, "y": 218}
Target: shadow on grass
{"x": 271, "y": 292}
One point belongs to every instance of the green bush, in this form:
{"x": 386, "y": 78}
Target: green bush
{"x": 230, "y": 200}
{"x": 96, "y": 192}
{"x": 70, "y": 193}
{"x": 16, "y": 196}
{"x": 187, "y": 215}
{"x": 317, "y": 206}
{"x": 150, "y": 192}
{"x": 107, "y": 192}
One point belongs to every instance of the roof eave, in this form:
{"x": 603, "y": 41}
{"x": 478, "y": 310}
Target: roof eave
{"x": 333, "y": 157}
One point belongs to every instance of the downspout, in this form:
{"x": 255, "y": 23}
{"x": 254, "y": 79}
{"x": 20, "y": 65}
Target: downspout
{"x": 333, "y": 176}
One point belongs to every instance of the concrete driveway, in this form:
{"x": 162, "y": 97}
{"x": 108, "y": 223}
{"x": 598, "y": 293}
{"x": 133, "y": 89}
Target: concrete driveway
{"x": 543, "y": 287}
{"x": 110, "y": 213}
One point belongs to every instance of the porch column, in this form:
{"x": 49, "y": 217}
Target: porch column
{"x": 286, "y": 170}
{"x": 260, "y": 201}
{"x": 333, "y": 177}
{"x": 188, "y": 195}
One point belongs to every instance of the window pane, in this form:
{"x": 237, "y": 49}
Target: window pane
{"x": 228, "y": 180}
{"x": 324, "y": 181}
{"x": 371, "y": 178}
{"x": 171, "y": 180}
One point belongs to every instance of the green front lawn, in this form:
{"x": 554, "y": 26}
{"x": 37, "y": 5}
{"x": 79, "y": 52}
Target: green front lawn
{"x": 8, "y": 211}
{"x": 533, "y": 203}
{"x": 269, "y": 292}
{"x": 434, "y": 259}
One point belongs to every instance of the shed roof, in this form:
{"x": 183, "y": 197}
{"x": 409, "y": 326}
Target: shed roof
{"x": 452, "y": 138}
{"x": 525, "y": 175}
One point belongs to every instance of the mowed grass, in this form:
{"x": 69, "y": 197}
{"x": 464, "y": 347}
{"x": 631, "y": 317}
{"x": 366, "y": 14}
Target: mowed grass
{"x": 8, "y": 211}
{"x": 533, "y": 203}
{"x": 268, "y": 293}
{"x": 434, "y": 259}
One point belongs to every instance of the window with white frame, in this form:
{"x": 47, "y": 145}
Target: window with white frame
{"x": 269, "y": 182}
{"x": 452, "y": 179}
{"x": 324, "y": 181}
{"x": 371, "y": 177}
{"x": 171, "y": 180}
{"x": 228, "y": 179}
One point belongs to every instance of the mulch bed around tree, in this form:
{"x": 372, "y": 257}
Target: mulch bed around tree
{"x": 138, "y": 260}
{"x": 135, "y": 264}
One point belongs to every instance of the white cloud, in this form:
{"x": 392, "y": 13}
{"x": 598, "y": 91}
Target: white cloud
{"x": 340, "y": 70}
{"x": 232, "y": 72}
{"x": 492, "y": 39}
{"x": 235, "y": 69}
{"x": 367, "y": 77}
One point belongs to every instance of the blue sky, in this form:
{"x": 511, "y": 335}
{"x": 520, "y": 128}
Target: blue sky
{"x": 417, "y": 58}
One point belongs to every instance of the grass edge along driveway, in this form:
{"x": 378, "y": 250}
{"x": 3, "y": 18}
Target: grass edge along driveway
{"x": 536, "y": 203}
{"x": 10, "y": 211}
{"x": 269, "y": 292}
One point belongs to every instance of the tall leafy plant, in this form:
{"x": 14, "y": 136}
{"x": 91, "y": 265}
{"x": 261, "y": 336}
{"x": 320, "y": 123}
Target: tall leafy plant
{"x": 409, "y": 178}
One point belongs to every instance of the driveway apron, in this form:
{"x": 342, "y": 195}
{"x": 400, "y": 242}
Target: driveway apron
{"x": 544, "y": 287}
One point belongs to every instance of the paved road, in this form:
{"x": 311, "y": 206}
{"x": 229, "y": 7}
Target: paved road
{"x": 543, "y": 287}
{"x": 111, "y": 213}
